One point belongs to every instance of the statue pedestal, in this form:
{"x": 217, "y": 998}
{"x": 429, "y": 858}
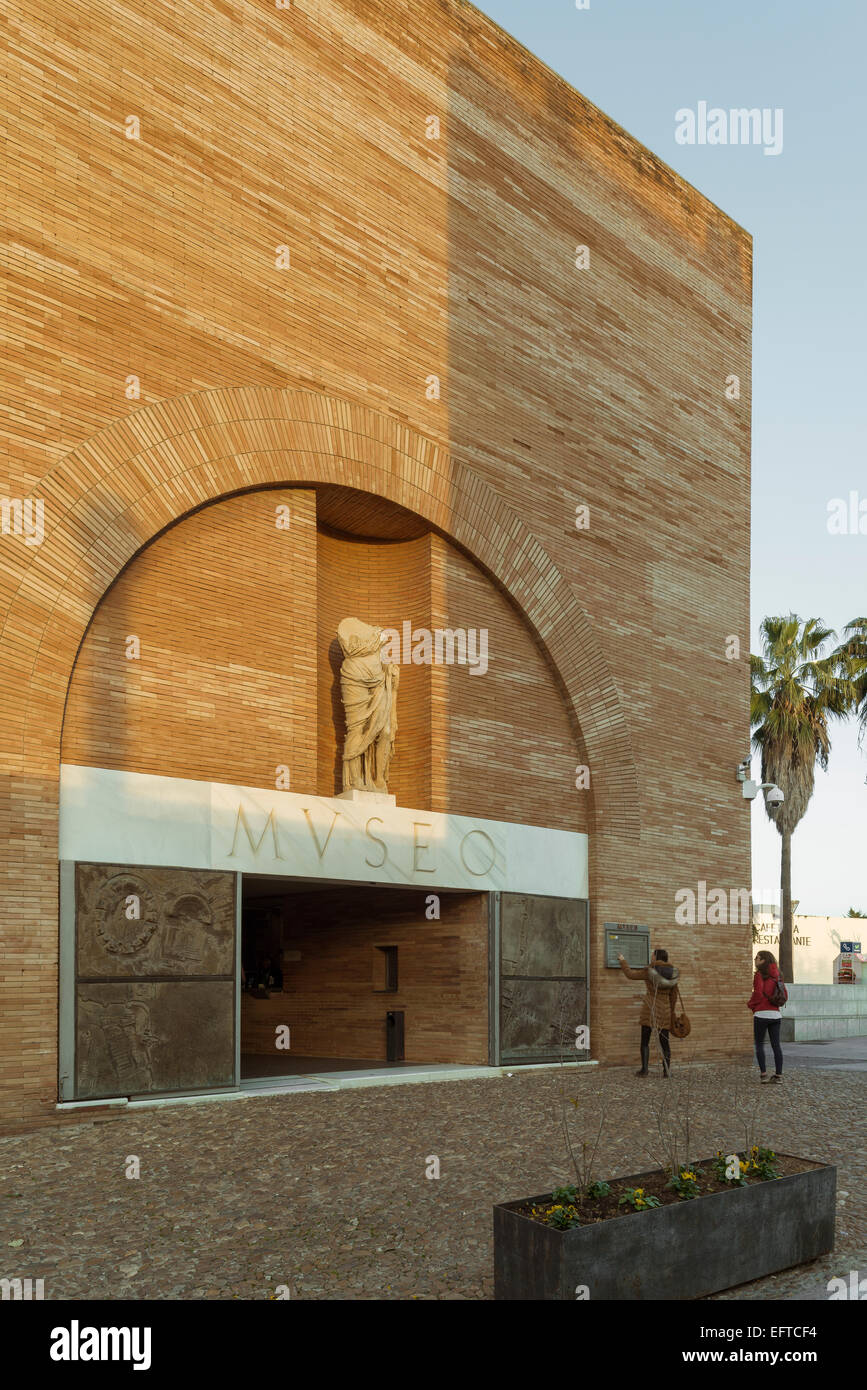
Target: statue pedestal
{"x": 370, "y": 798}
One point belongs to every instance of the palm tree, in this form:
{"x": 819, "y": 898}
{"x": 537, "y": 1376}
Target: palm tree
{"x": 796, "y": 691}
{"x": 854, "y": 650}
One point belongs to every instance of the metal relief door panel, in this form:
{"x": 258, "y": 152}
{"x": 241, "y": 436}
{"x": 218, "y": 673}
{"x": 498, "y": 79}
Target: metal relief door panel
{"x": 154, "y": 980}
{"x": 543, "y": 976}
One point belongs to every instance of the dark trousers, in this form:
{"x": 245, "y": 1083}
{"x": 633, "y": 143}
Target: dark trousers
{"x": 772, "y": 1026}
{"x": 663, "y": 1043}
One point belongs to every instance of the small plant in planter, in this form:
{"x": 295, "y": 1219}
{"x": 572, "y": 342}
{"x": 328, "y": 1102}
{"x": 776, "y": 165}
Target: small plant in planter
{"x": 724, "y": 1171}
{"x": 764, "y": 1163}
{"x": 638, "y": 1199}
{"x": 563, "y": 1214}
{"x": 571, "y": 1193}
{"x": 562, "y": 1217}
{"x": 758, "y": 1165}
{"x": 685, "y": 1182}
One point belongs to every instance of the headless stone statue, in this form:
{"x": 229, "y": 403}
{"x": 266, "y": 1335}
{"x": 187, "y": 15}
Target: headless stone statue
{"x": 369, "y": 691}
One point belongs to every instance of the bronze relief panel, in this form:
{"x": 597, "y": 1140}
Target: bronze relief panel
{"x": 543, "y": 976}
{"x": 155, "y": 987}
{"x": 133, "y": 1039}
{"x": 134, "y": 921}
{"x": 543, "y": 937}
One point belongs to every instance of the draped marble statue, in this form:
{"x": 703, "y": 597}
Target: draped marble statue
{"x": 369, "y": 690}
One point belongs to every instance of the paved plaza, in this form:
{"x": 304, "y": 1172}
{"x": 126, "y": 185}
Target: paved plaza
{"x": 326, "y": 1193}
{"x": 838, "y": 1054}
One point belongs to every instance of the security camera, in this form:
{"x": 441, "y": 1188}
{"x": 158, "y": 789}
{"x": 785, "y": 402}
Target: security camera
{"x": 774, "y": 800}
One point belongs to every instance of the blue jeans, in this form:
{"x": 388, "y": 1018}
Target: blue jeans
{"x": 772, "y": 1026}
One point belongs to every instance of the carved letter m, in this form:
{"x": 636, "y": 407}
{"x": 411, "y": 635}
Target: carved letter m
{"x": 241, "y": 819}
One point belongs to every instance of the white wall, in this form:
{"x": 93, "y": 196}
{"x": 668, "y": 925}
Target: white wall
{"x": 816, "y": 944}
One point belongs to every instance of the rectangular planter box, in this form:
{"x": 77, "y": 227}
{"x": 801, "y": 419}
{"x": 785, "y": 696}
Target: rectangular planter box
{"x": 686, "y": 1250}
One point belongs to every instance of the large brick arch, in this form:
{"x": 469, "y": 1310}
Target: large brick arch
{"x": 137, "y": 476}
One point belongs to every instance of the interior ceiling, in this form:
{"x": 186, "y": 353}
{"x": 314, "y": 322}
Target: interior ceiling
{"x": 361, "y": 514}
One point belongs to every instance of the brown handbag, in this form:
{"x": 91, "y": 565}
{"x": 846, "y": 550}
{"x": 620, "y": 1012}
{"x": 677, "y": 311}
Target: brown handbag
{"x": 680, "y": 1024}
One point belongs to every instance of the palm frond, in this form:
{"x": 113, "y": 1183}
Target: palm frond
{"x": 797, "y": 690}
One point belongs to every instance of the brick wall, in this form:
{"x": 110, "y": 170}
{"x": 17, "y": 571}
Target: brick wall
{"x": 513, "y": 718}
{"x": 409, "y": 258}
{"x": 224, "y": 688}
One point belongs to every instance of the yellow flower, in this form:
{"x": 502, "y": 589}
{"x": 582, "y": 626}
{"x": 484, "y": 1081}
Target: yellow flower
{"x": 639, "y": 1191}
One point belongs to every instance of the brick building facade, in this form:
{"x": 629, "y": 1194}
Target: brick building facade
{"x": 336, "y": 268}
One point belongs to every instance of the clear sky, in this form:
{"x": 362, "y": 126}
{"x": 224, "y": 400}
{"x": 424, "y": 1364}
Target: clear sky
{"x": 641, "y": 61}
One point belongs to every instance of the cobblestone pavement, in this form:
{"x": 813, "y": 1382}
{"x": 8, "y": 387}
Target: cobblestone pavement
{"x": 327, "y": 1193}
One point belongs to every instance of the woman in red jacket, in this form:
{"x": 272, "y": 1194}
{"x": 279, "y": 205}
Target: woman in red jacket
{"x": 766, "y": 1017}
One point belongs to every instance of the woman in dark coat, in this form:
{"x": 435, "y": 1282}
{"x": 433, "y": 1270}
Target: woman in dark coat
{"x": 660, "y": 988}
{"x": 766, "y": 1016}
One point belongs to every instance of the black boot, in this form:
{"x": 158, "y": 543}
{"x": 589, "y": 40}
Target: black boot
{"x": 645, "y": 1060}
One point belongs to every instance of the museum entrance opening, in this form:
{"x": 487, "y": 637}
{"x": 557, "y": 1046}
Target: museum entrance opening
{"x": 182, "y": 980}
{"x": 339, "y": 977}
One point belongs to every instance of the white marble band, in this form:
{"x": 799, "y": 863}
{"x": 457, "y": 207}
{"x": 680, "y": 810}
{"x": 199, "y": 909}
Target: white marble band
{"x": 135, "y": 818}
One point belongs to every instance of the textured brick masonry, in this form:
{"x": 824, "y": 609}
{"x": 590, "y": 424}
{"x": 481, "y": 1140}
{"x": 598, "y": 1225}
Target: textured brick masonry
{"x": 409, "y": 258}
